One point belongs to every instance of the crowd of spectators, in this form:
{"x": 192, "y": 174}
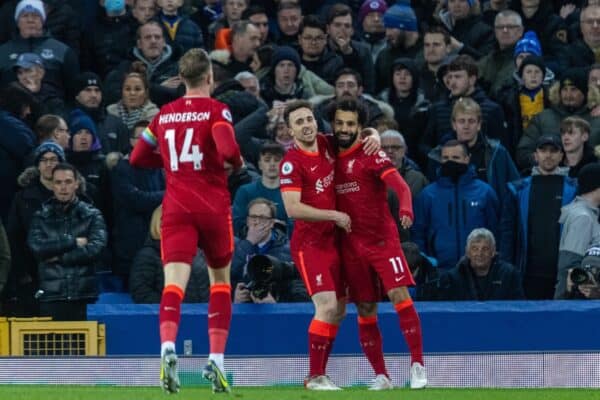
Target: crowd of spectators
{"x": 490, "y": 110}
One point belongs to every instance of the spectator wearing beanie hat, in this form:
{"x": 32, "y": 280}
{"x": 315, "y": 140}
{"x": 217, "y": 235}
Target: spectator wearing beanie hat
{"x": 402, "y": 40}
{"x": 282, "y": 83}
{"x": 568, "y": 97}
{"x": 580, "y": 227}
{"x": 61, "y": 62}
{"x": 370, "y": 19}
{"x": 470, "y": 34}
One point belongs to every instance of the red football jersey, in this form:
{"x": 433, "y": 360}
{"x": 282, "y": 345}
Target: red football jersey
{"x": 195, "y": 177}
{"x": 311, "y": 174}
{"x": 362, "y": 194}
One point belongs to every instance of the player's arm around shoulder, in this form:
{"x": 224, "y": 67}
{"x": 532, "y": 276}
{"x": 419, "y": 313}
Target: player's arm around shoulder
{"x": 296, "y": 209}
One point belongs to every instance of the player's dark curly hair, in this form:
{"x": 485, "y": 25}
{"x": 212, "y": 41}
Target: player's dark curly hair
{"x": 350, "y": 105}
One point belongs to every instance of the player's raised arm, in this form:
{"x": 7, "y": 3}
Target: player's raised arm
{"x": 394, "y": 180}
{"x": 224, "y": 137}
{"x": 297, "y": 210}
{"x": 144, "y": 153}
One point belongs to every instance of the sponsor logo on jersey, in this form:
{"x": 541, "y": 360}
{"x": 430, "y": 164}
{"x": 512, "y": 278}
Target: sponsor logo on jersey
{"x": 324, "y": 183}
{"x": 227, "y": 115}
{"x": 184, "y": 117}
{"x": 348, "y": 187}
{"x": 287, "y": 168}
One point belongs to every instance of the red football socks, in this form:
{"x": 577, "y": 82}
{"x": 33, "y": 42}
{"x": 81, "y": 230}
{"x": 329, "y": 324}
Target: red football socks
{"x": 170, "y": 313}
{"x": 411, "y": 329}
{"x": 219, "y": 317}
{"x": 371, "y": 343}
{"x": 320, "y": 341}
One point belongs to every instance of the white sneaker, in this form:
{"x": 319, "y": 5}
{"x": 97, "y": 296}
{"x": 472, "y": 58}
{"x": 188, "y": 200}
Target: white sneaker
{"x": 381, "y": 382}
{"x": 418, "y": 376}
{"x": 320, "y": 382}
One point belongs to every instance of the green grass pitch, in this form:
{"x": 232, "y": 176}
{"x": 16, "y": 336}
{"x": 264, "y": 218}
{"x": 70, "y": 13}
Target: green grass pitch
{"x": 28, "y": 392}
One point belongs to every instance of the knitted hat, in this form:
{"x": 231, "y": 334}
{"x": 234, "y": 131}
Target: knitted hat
{"x": 84, "y": 80}
{"x": 48, "y": 147}
{"x": 588, "y": 178}
{"x": 401, "y": 16}
{"x": 79, "y": 120}
{"x": 575, "y": 77}
{"x": 532, "y": 60}
{"x": 32, "y": 6}
{"x": 529, "y": 43}
{"x": 370, "y": 6}
{"x": 282, "y": 53}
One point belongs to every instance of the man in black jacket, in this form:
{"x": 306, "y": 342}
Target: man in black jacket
{"x": 480, "y": 275}
{"x": 67, "y": 237}
{"x": 314, "y": 53}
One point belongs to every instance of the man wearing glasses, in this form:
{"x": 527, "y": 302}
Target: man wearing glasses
{"x": 314, "y": 52}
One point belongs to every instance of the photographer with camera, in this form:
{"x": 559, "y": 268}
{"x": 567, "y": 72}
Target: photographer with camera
{"x": 580, "y": 227}
{"x": 583, "y": 282}
{"x": 262, "y": 269}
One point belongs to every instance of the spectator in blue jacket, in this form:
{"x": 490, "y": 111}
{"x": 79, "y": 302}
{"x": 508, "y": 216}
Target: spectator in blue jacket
{"x": 480, "y": 275}
{"x": 136, "y": 193}
{"x": 179, "y": 29}
{"x": 529, "y": 228}
{"x": 447, "y": 210}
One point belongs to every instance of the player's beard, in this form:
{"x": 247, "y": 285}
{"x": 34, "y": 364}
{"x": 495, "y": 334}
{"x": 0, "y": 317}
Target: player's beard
{"x": 348, "y": 141}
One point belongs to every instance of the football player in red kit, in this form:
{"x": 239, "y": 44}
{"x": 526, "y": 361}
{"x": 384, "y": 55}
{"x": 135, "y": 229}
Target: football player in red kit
{"x": 371, "y": 253}
{"x": 195, "y": 138}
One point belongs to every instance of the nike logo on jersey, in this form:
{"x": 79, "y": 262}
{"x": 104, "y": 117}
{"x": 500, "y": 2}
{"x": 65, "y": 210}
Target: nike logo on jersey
{"x": 212, "y": 315}
{"x": 312, "y": 169}
{"x": 399, "y": 278}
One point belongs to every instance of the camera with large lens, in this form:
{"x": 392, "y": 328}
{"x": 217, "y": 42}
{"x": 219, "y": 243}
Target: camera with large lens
{"x": 265, "y": 272}
{"x": 585, "y": 274}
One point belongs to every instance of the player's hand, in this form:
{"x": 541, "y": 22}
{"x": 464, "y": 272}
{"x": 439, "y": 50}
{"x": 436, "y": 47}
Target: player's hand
{"x": 342, "y": 220}
{"x": 371, "y": 141}
{"x": 268, "y": 299}
{"x": 81, "y": 241}
{"x": 406, "y": 222}
{"x": 241, "y": 294}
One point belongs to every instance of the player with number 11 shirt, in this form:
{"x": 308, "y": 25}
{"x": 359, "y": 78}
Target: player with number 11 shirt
{"x": 195, "y": 137}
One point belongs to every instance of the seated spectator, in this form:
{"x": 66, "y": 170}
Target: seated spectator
{"x": 231, "y": 13}
{"x": 17, "y": 140}
{"x": 106, "y": 45}
{"x": 491, "y": 9}
{"x": 436, "y": 50}
{"x": 67, "y": 237}
{"x": 580, "y": 226}
{"x": 480, "y": 275}
{"x": 267, "y": 187}
{"x": 425, "y": 273}
{"x": 575, "y": 134}
{"x": 282, "y": 82}
{"x": 314, "y": 52}
{"x": 288, "y": 19}
{"x": 371, "y": 27}
{"x": 452, "y": 206}
{"x": 259, "y": 18}
{"x": 529, "y": 228}
{"x": 136, "y": 192}
{"x": 135, "y": 104}
{"x": 250, "y": 82}
{"x": 30, "y": 72}
{"x": 261, "y": 239}
{"x": 208, "y": 12}
{"x": 143, "y": 10}
{"x": 61, "y": 63}
{"x": 147, "y": 279}
{"x": 54, "y": 128}
{"x": 88, "y": 96}
{"x": 179, "y": 29}
{"x": 245, "y": 40}
{"x": 583, "y": 282}
{"x": 582, "y": 53}
{"x": 36, "y": 189}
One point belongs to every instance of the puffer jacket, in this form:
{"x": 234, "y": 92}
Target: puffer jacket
{"x": 67, "y": 271}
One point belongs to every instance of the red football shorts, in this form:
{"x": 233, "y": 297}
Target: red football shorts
{"x": 366, "y": 267}
{"x": 319, "y": 268}
{"x": 182, "y": 234}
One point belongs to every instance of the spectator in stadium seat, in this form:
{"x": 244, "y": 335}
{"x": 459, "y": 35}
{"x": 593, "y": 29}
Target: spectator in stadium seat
{"x": 582, "y": 52}
{"x": 371, "y": 27}
{"x": 61, "y": 62}
{"x": 204, "y": 16}
{"x": 36, "y": 189}
{"x": 147, "y": 278}
{"x": 282, "y": 82}
{"x": 314, "y": 52}
{"x": 529, "y": 227}
{"x": 289, "y": 17}
{"x": 178, "y": 28}
{"x": 425, "y": 272}
{"x": 135, "y": 104}
{"x": 266, "y": 187}
{"x": 54, "y": 128}
{"x": 356, "y": 54}
{"x": 108, "y": 44}
{"x": 436, "y": 49}
{"x": 136, "y": 192}
{"x": 143, "y": 10}
{"x": 245, "y": 40}
{"x": 575, "y": 134}
{"x": 88, "y": 97}
{"x": 580, "y": 224}
{"x": 480, "y": 275}
{"x": 67, "y": 237}
{"x": 402, "y": 40}
{"x": 591, "y": 288}
{"x": 497, "y": 67}
{"x": 259, "y": 18}
{"x": 491, "y": 9}
{"x": 261, "y": 238}
{"x": 160, "y": 60}
{"x": 451, "y": 207}
{"x": 470, "y": 35}
{"x": 232, "y": 12}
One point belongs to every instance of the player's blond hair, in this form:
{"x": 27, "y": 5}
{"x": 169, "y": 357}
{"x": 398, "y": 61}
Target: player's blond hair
{"x": 466, "y": 105}
{"x": 194, "y": 66}
{"x": 155, "y": 223}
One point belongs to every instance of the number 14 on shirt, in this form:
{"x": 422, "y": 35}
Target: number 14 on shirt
{"x": 189, "y": 153}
